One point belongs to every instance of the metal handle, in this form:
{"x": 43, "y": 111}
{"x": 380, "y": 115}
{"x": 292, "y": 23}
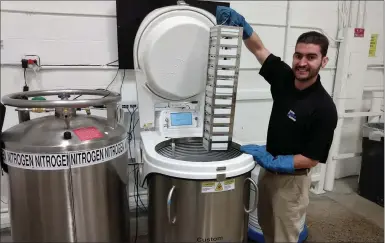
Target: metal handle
{"x": 169, "y": 197}
{"x": 256, "y": 195}
{"x": 16, "y": 99}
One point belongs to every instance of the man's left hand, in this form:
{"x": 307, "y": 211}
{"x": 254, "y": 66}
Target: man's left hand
{"x": 266, "y": 160}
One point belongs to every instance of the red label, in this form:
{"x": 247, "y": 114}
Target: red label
{"x": 88, "y": 133}
{"x": 359, "y": 32}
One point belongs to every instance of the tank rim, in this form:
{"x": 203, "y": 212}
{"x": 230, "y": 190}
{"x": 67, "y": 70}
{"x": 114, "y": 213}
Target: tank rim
{"x": 191, "y": 149}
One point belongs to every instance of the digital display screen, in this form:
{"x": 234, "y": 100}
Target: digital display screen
{"x": 181, "y": 119}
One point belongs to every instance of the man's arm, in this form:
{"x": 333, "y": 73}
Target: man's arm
{"x": 228, "y": 16}
{"x": 255, "y": 46}
{"x": 315, "y": 151}
{"x": 302, "y": 162}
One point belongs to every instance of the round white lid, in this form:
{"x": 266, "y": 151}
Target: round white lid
{"x": 154, "y": 162}
{"x": 173, "y": 51}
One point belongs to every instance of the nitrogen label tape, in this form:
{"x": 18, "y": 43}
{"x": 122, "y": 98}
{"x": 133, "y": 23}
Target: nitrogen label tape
{"x": 61, "y": 161}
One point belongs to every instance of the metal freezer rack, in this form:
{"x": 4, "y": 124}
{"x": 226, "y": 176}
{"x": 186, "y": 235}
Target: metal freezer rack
{"x": 221, "y": 86}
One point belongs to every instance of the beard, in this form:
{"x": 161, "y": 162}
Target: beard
{"x": 311, "y": 73}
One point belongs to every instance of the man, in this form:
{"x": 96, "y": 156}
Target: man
{"x": 300, "y": 132}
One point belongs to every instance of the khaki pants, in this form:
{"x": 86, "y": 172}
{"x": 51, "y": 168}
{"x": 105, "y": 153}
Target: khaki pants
{"x": 282, "y": 204}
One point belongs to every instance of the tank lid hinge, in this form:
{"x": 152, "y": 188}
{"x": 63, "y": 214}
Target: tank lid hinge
{"x": 181, "y": 2}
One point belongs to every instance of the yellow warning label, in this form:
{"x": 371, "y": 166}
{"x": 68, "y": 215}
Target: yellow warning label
{"x": 373, "y": 45}
{"x": 229, "y": 182}
{"x": 208, "y": 184}
{"x": 214, "y": 186}
{"x": 219, "y": 187}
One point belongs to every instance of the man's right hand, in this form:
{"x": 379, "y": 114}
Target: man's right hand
{"x": 228, "y": 16}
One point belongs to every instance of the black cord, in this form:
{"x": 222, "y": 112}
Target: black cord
{"x": 25, "y": 77}
{"x": 133, "y": 129}
{"x": 111, "y": 62}
{"x": 136, "y": 212}
{"x": 131, "y": 136}
{"x": 131, "y": 133}
{"x": 137, "y": 198}
{"x": 76, "y": 65}
{"x": 113, "y": 79}
{"x": 135, "y": 181}
{"x": 71, "y": 65}
{"x": 121, "y": 84}
{"x": 105, "y": 88}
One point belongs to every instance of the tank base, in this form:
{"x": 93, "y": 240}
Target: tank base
{"x": 258, "y": 237}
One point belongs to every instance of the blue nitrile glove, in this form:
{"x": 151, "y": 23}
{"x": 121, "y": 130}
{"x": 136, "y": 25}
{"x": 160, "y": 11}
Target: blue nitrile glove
{"x": 228, "y": 16}
{"x": 255, "y": 150}
{"x": 282, "y": 163}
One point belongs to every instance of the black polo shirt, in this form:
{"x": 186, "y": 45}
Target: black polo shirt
{"x": 301, "y": 122}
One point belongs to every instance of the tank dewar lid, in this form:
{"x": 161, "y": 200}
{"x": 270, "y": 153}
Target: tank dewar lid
{"x": 172, "y": 48}
{"x": 49, "y": 134}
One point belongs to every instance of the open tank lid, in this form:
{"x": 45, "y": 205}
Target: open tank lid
{"x": 172, "y": 48}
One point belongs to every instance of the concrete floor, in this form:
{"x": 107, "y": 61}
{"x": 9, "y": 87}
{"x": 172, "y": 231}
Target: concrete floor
{"x": 338, "y": 216}
{"x": 344, "y": 216}
{"x": 345, "y": 194}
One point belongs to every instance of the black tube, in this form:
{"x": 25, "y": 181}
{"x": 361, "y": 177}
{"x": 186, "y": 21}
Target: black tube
{"x": 4, "y": 167}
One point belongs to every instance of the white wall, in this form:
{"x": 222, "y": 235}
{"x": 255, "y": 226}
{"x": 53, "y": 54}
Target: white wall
{"x": 84, "y": 32}
{"x": 271, "y": 28}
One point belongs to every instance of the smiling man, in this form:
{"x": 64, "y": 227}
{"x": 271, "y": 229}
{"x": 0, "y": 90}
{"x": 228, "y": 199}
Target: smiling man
{"x": 300, "y": 133}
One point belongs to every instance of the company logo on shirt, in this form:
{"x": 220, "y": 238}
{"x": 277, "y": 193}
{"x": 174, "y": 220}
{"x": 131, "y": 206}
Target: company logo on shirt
{"x": 291, "y": 115}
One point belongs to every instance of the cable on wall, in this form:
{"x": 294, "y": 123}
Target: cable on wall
{"x": 40, "y": 65}
{"x": 131, "y": 137}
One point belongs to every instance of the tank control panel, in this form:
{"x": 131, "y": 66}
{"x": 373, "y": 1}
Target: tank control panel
{"x": 193, "y": 105}
{"x": 177, "y": 119}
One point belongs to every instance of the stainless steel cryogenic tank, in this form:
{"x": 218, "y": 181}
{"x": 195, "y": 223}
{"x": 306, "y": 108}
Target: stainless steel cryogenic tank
{"x": 188, "y": 210}
{"x": 67, "y": 172}
{"x": 198, "y": 189}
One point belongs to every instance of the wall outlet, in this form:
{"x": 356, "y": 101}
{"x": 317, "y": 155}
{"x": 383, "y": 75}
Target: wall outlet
{"x": 31, "y": 61}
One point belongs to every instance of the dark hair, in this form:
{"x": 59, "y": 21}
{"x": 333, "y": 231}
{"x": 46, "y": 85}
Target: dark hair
{"x": 316, "y": 38}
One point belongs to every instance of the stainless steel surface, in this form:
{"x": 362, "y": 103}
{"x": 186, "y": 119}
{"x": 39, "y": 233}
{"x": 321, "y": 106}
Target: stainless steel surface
{"x": 87, "y": 204}
{"x": 256, "y": 193}
{"x": 16, "y": 101}
{"x": 112, "y": 115}
{"x": 200, "y": 217}
{"x": 191, "y": 149}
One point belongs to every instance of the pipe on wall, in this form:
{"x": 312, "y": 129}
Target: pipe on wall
{"x": 330, "y": 168}
{"x": 350, "y": 13}
{"x": 374, "y": 112}
{"x": 67, "y": 67}
{"x": 287, "y": 30}
{"x": 361, "y": 14}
